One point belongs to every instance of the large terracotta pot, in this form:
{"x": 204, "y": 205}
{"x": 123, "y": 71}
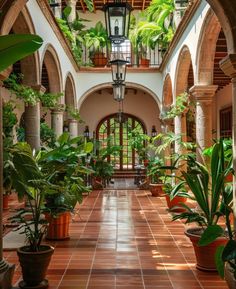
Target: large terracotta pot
{"x": 5, "y": 201}
{"x": 34, "y": 266}
{"x": 58, "y": 227}
{"x": 229, "y": 277}
{"x": 176, "y": 202}
{"x": 205, "y": 255}
{"x": 156, "y": 190}
{"x": 99, "y": 59}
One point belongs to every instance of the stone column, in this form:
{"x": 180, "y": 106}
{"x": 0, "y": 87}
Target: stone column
{"x": 203, "y": 95}
{"x": 180, "y": 129}
{"x": 57, "y": 9}
{"x": 228, "y": 65}
{"x": 57, "y": 120}
{"x": 73, "y": 127}
{"x": 6, "y": 269}
{"x": 72, "y": 5}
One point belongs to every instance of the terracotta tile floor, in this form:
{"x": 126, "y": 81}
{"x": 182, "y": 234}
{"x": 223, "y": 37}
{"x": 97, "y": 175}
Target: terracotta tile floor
{"x": 124, "y": 240}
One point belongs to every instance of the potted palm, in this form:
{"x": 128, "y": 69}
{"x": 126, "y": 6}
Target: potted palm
{"x": 207, "y": 184}
{"x": 30, "y": 182}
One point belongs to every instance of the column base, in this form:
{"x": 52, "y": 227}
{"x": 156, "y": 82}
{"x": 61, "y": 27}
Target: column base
{"x": 6, "y": 274}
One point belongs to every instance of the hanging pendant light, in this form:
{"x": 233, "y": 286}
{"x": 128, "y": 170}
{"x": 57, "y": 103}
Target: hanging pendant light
{"x": 118, "y": 91}
{"x": 117, "y": 18}
{"x": 118, "y": 69}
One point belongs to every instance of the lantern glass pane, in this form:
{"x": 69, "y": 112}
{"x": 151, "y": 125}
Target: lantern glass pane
{"x": 118, "y": 92}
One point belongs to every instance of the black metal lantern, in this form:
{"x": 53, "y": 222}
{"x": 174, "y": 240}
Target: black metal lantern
{"x": 86, "y": 132}
{"x": 118, "y": 91}
{"x": 117, "y": 17}
{"x": 118, "y": 69}
{"x": 154, "y": 132}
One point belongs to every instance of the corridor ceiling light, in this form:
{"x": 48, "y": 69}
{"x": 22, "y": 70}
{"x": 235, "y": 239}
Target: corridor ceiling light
{"x": 118, "y": 70}
{"x": 118, "y": 91}
{"x": 117, "y": 18}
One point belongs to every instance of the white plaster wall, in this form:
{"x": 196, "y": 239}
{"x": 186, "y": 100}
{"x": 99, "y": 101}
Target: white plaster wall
{"x": 190, "y": 38}
{"x": 223, "y": 100}
{"x": 99, "y": 105}
{"x": 151, "y": 81}
{"x": 43, "y": 29}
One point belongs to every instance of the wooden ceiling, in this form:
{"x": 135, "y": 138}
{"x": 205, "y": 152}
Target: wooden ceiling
{"x": 98, "y": 4}
{"x": 220, "y": 78}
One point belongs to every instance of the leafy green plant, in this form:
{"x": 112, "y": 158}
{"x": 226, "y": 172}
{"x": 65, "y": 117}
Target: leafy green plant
{"x": 208, "y": 186}
{"x": 17, "y": 46}
{"x": 74, "y": 113}
{"x": 31, "y": 182}
{"x": 64, "y": 166}
{"x": 137, "y": 141}
{"x": 47, "y": 135}
{"x": 29, "y": 95}
{"x": 9, "y": 118}
{"x": 181, "y": 104}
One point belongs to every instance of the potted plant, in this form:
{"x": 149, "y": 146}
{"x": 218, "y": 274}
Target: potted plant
{"x": 206, "y": 182}
{"x": 63, "y": 165}
{"x": 95, "y": 40}
{"x": 30, "y": 182}
{"x": 155, "y": 173}
{"x": 175, "y": 194}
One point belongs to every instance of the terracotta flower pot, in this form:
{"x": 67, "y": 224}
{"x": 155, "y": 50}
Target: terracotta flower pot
{"x": 205, "y": 255}
{"x": 99, "y": 59}
{"x": 176, "y": 201}
{"x": 156, "y": 190}
{"x": 144, "y": 62}
{"x": 58, "y": 227}
{"x": 229, "y": 276}
{"x": 5, "y": 201}
{"x": 34, "y": 266}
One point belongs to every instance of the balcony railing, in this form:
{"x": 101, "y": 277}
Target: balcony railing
{"x": 143, "y": 59}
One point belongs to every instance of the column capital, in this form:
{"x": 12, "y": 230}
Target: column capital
{"x": 59, "y": 109}
{"x": 228, "y": 65}
{"x": 38, "y": 87}
{"x": 203, "y": 93}
{"x": 71, "y": 2}
{"x": 72, "y": 120}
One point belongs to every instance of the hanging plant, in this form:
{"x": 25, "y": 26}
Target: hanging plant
{"x": 9, "y": 118}
{"x": 181, "y": 104}
{"x": 74, "y": 113}
{"x": 50, "y": 100}
{"x": 22, "y": 92}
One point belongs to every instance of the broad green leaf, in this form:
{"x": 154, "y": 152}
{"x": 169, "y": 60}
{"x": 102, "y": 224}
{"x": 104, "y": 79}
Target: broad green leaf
{"x": 229, "y": 252}
{"x": 88, "y": 148}
{"x": 63, "y": 138}
{"x": 210, "y": 234}
{"x": 220, "y": 265}
{"x": 66, "y": 12}
{"x": 14, "y": 47}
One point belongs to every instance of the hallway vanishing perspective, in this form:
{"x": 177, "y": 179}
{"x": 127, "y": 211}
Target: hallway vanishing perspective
{"x": 124, "y": 239}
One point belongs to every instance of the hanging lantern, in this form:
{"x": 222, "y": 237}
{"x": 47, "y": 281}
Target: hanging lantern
{"x": 118, "y": 91}
{"x": 154, "y": 132}
{"x": 117, "y": 17}
{"x": 86, "y": 132}
{"x": 118, "y": 69}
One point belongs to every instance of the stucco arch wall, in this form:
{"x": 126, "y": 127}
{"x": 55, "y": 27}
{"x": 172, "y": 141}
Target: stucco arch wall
{"x": 189, "y": 38}
{"x": 43, "y": 28}
{"x": 99, "y": 103}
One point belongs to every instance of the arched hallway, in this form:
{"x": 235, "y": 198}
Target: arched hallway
{"x": 124, "y": 239}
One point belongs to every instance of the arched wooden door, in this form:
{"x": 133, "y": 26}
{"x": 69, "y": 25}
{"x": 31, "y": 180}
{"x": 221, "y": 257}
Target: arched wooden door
{"x": 117, "y": 132}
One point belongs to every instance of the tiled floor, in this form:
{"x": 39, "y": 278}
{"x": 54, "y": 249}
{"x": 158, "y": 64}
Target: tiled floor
{"x": 125, "y": 240}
